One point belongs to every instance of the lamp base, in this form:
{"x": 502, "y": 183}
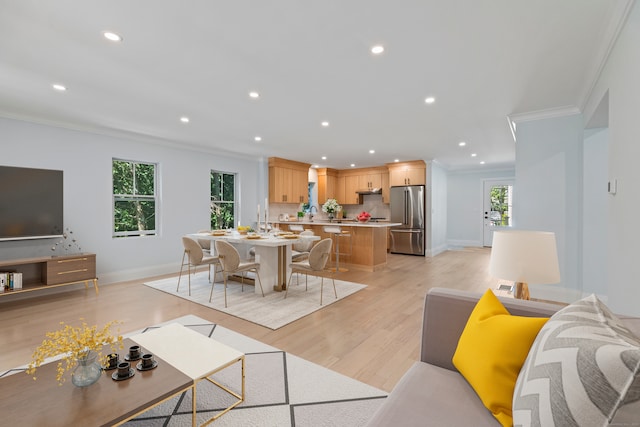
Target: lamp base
{"x": 522, "y": 291}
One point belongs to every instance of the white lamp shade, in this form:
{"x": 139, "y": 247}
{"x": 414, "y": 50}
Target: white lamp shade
{"x": 525, "y": 256}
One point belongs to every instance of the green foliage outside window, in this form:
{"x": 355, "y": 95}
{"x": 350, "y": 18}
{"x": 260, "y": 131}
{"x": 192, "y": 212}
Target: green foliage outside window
{"x": 223, "y": 191}
{"x": 134, "y": 200}
{"x": 501, "y": 203}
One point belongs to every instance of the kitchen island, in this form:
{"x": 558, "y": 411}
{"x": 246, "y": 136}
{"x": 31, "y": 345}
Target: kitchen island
{"x": 369, "y": 240}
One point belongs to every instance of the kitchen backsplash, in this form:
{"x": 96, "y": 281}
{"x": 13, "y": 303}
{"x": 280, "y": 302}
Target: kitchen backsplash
{"x": 372, "y": 203}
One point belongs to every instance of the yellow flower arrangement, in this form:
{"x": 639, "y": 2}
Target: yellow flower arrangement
{"x": 74, "y": 343}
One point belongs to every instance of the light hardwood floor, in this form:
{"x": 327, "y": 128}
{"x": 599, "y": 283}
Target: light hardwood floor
{"x": 372, "y": 336}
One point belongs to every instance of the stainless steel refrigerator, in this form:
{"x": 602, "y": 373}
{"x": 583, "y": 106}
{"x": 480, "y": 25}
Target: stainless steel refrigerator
{"x": 407, "y": 207}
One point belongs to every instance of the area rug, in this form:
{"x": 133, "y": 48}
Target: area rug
{"x": 281, "y": 390}
{"x": 273, "y": 311}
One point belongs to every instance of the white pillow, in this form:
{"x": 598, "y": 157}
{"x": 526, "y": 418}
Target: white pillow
{"x": 583, "y": 368}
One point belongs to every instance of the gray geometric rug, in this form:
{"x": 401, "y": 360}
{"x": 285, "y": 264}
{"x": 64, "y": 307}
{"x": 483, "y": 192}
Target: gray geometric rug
{"x": 281, "y": 390}
{"x": 273, "y": 311}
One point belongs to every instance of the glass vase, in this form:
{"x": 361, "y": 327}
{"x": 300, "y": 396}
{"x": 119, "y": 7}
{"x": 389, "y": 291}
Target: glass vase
{"x": 330, "y": 215}
{"x": 87, "y": 371}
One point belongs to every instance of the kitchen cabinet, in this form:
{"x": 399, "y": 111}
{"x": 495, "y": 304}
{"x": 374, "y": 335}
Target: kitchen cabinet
{"x": 407, "y": 173}
{"x": 370, "y": 180}
{"x": 328, "y": 184}
{"x": 288, "y": 181}
{"x": 340, "y": 189}
{"x": 385, "y": 188}
{"x": 351, "y": 187}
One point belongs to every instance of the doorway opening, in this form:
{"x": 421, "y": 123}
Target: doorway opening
{"x": 498, "y": 208}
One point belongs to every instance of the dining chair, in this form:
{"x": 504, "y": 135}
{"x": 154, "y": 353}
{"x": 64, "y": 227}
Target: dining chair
{"x": 205, "y": 244}
{"x": 300, "y": 251}
{"x": 231, "y": 264}
{"x": 314, "y": 265}
{"x": 196, "y": 257}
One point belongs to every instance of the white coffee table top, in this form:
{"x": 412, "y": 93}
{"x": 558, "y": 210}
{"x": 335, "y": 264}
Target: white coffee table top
{"x": 196, "y": 355}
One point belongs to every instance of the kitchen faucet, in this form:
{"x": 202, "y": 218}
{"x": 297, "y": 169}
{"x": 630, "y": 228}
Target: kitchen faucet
{"x": 311, "y": 208}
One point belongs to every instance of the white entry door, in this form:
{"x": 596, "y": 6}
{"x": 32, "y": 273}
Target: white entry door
{"x": 497, "y": 209}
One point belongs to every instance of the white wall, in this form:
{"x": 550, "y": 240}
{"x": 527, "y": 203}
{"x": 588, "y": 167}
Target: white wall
{"x": 620, "y": 77}
{"x": 549, "y": 164}
{"x": 86, "y": 160}
{"x": 465, "y": 197}
{"x": 437, "y": 189}
{"x": 595, "y": 213}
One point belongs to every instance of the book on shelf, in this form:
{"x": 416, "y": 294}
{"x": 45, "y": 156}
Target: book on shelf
{"x": 10, "y": 281}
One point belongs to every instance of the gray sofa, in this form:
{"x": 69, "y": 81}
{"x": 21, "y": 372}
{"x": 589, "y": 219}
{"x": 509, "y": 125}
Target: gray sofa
{"x": 432, "y": 392}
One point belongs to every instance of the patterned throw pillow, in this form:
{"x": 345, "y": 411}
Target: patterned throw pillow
{"x": 582, "y": 368}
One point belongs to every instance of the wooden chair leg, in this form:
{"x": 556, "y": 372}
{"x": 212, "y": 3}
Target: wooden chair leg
{"x": 225, "y": 290}
{"x": 321, "y": 287}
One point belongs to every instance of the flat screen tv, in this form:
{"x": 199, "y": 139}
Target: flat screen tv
{"x": 31, "y": 203}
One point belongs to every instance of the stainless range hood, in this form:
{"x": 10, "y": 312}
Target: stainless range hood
{"x": 370, "y": 191}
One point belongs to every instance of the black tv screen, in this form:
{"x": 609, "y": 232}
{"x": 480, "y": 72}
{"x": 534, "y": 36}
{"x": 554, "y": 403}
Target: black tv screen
{"x": 31, "y": 203}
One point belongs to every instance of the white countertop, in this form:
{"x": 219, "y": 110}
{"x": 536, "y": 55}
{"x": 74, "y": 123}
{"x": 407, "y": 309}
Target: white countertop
{"x": 344, "y": 223}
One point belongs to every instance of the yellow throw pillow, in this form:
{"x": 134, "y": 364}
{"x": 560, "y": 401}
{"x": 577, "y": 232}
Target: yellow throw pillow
{"x": 491, "y": 351}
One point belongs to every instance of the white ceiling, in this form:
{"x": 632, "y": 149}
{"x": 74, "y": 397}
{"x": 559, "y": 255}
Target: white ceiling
{"x": 310, "y": 61}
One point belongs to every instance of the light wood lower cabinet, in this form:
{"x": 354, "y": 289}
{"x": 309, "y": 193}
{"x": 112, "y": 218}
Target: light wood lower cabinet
{"x": 47, "y": 272}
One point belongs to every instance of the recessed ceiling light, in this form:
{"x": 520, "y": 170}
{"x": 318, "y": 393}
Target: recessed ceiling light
{"x": 184, "y": 119}
{"x": 462, "y": 143}
{"x": 473, "y": 154}
{"x": 324, "y": 157}
{"x": 112, "y": 36}
{"x": 59, "y": 87}
{"x": 429, "y": 100}
{"x": 372, "y": 151}
{"x": 316, "y": 166}
{"x": 254, "y": 95}
{"x": 396, "y": 160}
{"x": 325, "y": 124}
{"x": 377, "y": 49}
{"x": 482, "y": 162}
{"x": 353, "y": 165}
{"x": 258, "y": 138}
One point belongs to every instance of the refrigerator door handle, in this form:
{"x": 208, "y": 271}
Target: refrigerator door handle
{"x": 406, "y": 231}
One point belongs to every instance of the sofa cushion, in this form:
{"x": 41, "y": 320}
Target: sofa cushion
{"x": 428, "y": 395}
{"x": 582, "y": 370}
{"x": 491, "y": 350}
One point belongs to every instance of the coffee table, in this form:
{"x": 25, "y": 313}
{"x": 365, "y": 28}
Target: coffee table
{"x": 196, "y": 355}
{"x": 25, "y": 402}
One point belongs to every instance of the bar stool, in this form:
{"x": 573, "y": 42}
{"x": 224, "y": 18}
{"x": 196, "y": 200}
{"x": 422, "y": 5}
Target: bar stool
{"x": 337, "y": 234}
{"x": 296, "y": 228}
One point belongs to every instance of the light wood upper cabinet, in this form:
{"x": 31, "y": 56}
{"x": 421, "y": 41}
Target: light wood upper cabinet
{"x": 328, "y": 185}
{"x": 407, "y": 173}
{"x": 351, "y": 187}
{"x": 340, "y": 190}
{"x": 288, "y": 181}
{"x": 370, "y": 181}
{"x": 385, "y": 188}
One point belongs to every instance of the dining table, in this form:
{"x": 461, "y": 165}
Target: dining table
{"x": 272, "y": 251}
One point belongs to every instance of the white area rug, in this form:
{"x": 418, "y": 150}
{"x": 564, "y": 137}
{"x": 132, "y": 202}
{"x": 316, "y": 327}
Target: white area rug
{"x": 273, "y": 311}
{"x": 281, "y": 390}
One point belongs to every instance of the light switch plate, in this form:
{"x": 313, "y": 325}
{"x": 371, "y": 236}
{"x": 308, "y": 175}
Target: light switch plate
{"x": 612, "y": 186}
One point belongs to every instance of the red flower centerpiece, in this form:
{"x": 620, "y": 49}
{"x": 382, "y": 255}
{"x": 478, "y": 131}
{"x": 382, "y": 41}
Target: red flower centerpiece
{"x": 363, "y": 216}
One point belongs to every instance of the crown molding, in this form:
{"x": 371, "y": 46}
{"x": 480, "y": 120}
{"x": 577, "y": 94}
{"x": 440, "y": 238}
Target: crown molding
{"x": 550, "y": 113}
{"x": 621, "y": 12}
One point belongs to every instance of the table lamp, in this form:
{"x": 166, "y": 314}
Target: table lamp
{"x": 524, "y": 257}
